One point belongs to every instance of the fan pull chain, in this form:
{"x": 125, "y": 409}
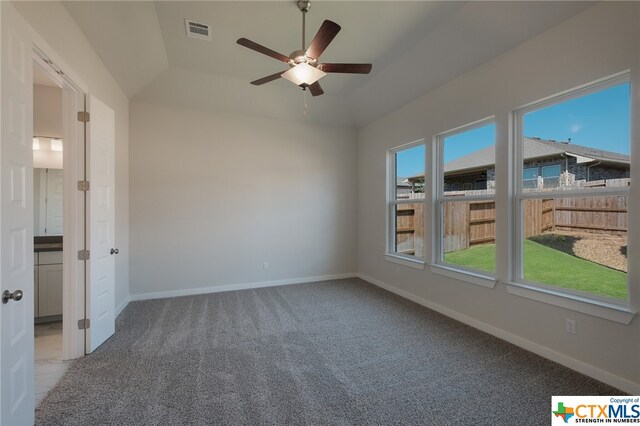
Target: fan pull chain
{"x": 304, "y": 100}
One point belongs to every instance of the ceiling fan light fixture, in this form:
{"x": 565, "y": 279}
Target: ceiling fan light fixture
{"x": 304, "y": 74}
{"x": 305, "y": 67}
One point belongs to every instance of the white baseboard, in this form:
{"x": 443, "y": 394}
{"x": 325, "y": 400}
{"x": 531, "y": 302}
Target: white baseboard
{"x": 122, "y": 305}
{"x": 232, "y": 287}
{"x": 572, "y": 363}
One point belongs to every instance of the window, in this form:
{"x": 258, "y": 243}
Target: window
{"x": 531, "y": 177}
{"x": 541, "y": 177}
{"x": 465, "y": 219}
{"x": 405, "y": 237}
{"x": 550, "y": 176}
{"x": 572, "y": 205}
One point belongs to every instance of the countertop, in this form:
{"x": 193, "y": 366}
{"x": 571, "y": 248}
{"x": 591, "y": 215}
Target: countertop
{"x": 47, "y": 243}
{"x": 47, "y": 247}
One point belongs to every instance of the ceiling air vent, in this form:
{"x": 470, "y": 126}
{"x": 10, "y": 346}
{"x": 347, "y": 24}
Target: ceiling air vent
{"x": 197, "y": 30}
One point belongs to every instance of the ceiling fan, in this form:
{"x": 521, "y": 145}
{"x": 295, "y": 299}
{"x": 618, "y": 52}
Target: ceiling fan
{"x": 305, "y": 70}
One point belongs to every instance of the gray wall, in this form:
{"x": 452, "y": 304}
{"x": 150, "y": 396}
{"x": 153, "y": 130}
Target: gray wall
{"x": 215, "y": 196}
{"x": 47, "y": 111}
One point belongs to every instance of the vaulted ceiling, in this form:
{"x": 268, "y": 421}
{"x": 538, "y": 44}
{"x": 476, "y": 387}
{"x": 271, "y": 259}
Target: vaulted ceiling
{"x": 414, "y": 47}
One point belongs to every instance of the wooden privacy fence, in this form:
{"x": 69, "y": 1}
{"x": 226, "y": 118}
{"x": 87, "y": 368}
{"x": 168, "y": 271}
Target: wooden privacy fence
{"x": 468, "y": 223}
{"x": 606, "y": 215}
{"x": 410, "y": 229}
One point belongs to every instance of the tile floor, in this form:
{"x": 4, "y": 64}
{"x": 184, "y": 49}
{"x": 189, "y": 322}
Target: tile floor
{"x": 48, "y": 353}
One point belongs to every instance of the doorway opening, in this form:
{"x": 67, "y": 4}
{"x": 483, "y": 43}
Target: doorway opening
{"x": 58, "y": 223}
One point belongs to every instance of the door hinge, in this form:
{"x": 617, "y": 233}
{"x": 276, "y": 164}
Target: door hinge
{"x": 84, "y": 324}
{"x": 83, "y": 116}
{"x": 83, "y": 185}
{"x": 83, "y": 254}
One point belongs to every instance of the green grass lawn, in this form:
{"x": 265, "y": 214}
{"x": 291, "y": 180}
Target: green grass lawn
{"x": 482, "y": 257}
{"x": 548, "y": 266}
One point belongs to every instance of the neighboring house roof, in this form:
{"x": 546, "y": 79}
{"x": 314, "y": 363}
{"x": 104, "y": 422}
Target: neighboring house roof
{"x": 537, "y": 148}
{"x": 415, "y": 178}
{"x": 402, "y": 182}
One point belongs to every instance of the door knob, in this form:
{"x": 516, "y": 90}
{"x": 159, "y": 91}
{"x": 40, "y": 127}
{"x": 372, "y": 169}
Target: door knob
{"x": 16, "y": 295}
{"x": 114, "y": 251}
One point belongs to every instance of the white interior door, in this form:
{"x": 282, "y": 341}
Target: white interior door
{"x": 101, "y": 288}
{"x": 16, "y": 220}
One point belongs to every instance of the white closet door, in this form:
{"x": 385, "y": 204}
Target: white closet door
{"x": 16, "y": 221}
{"x": 101, "y": 288}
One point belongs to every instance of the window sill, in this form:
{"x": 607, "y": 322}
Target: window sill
{"x": 405, "y": 261}
{"x": 610, "y": 311}
{"x": 462, "y": 275}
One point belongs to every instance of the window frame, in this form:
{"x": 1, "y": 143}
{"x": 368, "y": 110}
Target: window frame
{"x": 520, "y": 196}
{"x": 392, "y": 202}
{"x": 471, "y": 275}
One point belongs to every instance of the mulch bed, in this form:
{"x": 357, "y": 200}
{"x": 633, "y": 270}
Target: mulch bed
{"x": 605, "y": 249}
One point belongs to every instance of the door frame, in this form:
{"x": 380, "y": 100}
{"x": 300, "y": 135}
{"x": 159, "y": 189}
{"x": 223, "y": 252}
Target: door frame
{"x": 75, "y": 203}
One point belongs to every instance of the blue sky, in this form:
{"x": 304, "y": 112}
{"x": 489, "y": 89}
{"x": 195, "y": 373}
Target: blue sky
{"x": 410, "y": 162}
{"x": 470, "y": 141}
{"x": 600, "y": 120}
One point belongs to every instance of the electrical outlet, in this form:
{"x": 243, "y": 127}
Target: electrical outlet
{"x": 570, "y": 326}
{"x": 265, "y": 266}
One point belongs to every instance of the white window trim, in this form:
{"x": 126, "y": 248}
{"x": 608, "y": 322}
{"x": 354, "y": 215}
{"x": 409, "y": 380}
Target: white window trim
{"x": 438, "y": 266}
{"x": 577, "y": 92}
{"x": 391, "y": 202}
{"x": 585, "y": 305}
{"x": 411, "y": 262}
{"x": 609, "y": 308}
{"x": 467, "y": 275}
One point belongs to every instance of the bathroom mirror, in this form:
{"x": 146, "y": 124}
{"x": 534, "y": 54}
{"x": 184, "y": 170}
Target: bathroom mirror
{"x": 47, "y": 201}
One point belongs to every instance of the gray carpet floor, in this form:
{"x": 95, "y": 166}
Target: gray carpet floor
{"x": 336, "y": 352}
